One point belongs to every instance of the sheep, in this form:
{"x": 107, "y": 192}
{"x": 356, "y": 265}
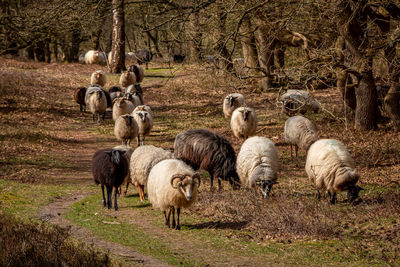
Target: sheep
{"x": 125, "y": 129}
{"x": 232, "y": 102}
{"x": 244, "y": 122}
{"x": 98, "y": 77}
{"x": 143, "y": 56}
{"x": 208, "y": 151}
{"x": 134, "y": 98}
{"x": 79, "y": 96}
{"x": 92, "y": 57}
{"x": 171, "y": 185}
{"x": 137, "y": 90}
{"x": 109, "y": 168}
{"x": 127, "y": 78}
{"x": 96, "y": 100}
{"x": 300, "y": 132}
{"x": 142, "y": 161}
{"x": 144, "y": 108}
{"x": 294, "y": 101}
{"x": 139, "y": 73}
{"x": 145, "y": 124}
{"x": 329, "y": 166}
{"x": 121, "y": 106}
{"x": 258, "y": 163}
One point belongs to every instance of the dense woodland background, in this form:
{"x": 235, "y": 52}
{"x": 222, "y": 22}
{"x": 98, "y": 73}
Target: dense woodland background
{"x": 289, "y": 44}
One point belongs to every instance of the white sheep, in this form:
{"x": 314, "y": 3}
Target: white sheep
{"x": 98, "y": 77}
{"x": 330, "y": 166}
{"x": 145, "y": 123}
{"x": 294, "y": 101}
{"x": 121, "y": 106}
{"x": 127, "y": 78}
{"x": 96, "y": 100}
{"x": 125, "y": 129}
{"x": 232, "y": 102}
{"x": 257, "y": 164}
{"x": 300, "y": 132}
{"x": 92, "y": 57}
{"x": 244, "y": 122}
{"x": 172, "y": 184}
{"x": 142, "y": 161}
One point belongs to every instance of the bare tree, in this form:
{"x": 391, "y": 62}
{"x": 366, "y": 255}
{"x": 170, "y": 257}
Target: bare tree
{"x": 117, "y": 64}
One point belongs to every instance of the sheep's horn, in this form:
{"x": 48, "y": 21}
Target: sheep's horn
{"x": 196, "y": 176}
{"x": 180, "y": 176}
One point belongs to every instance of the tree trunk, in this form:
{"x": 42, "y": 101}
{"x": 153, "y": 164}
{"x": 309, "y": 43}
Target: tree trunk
{"x": 248, "y": 42}
{"x": 224, "y": 61}
{"x": 47, "y": 53}
{"x": 117, "y": 64}
{"x": 194, "y": 38}
{"x": 54, "y": 51}
{"x": 39, "y": 51}
{"x": 73, "y": 52}
{"x": 279, "y": 55}
{"x": 392, "y": 104}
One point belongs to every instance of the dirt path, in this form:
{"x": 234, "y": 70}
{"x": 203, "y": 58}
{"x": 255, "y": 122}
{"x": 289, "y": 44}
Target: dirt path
{"x": 53, "y": 213}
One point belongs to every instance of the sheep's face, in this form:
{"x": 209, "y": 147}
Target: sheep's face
{"x": 143, "y": 115}
{"x": 232, "y": 100}
{"x": 119, "y": 102}
{"x": 246, "y": 114}
{"x": 186, "y": 184}
{"x": 264, "y": 178}
{"x": 115, "y": 156}
{"x": 138, "y": 88}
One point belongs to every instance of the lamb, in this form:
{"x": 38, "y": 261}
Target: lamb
{"x": 145, "y": 124}
{"x": 208, "y": 151}
{"x": 142, "y": 161}
{"x": 171, "y": 185}
{"x": 300, "y": 132}
{"x": 127, "y": 78}
{"x": 329, "y": 166}
{"x": 143, "y": 56}
{"x": 121, "y": 106}
{"x": 92, "y": 57}
{"x": 139, "y": 73}
{"x": 109, "y": 168}
{"x": 258, "y": 163}
{"x": 96, "y": 100}
{"x": 125, "y": 129}
{"x": 79, "y": 96}
{"x": 244, "y": 122}
{"x": 232, "y": 102}
{"x": 98, "y": 77}
{"x": 294, "y": 101}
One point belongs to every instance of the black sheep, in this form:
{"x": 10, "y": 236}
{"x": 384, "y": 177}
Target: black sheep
{"x": 79, "y": 96}
{"x": 208, "y": 151}
{"x": 144, "y": 56}
{"x": 109, "y": 168}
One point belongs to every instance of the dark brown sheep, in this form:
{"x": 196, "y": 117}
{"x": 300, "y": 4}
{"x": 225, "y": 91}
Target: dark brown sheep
{"x": 79, "y": 96}
{"x": 208, "y": 151}
{"x": 109, "y": 168}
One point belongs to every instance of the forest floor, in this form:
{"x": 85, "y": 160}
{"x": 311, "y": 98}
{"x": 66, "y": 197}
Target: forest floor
{"x": 45, "y": 175}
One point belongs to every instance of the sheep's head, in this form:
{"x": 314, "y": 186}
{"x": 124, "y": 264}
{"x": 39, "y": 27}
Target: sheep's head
{"x": 119, "y": 102}
{"x": 138, "y": 88}
{"x": 115, "y": 156}
{"x": 143, "y": 115}
{"x": 352, "y": 193}
{"x": 133, "y": 68}
{"x": 128, "y": 119}
{"x": 186, "y": 184}
{"x": 231, "y": 100}
{"x": 234, "y": 180}
{"x": 246, "y": 112}
{"x": 264, "y": 177}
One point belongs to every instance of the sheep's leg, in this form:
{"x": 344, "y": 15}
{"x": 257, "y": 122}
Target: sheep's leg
{"x": 143, "y": 141}
{"x": 80, "y": 107}
{"x": 318, "y": 195}
{"x": 296, "y": 148}
{"x": 104, "y": 115}
{"x": 211, "y": 183}
{"x": 115, "y": 199}
{"x": 126, "y": 189}
{"x": 138, "y": 140}
{"x": 178, "y": 213}
{"x": 104, "y": 198}
{"x": 173, "y": 217}
{"x": 219, "y": 184}
{"x": 109, "y": 197}
{"x": 98, "y": 118}
{"x": 291, "y": 151}
{"x": 141, "y": 192}
{"x": 166, "y": 218}
{"x": 333, "y": 198}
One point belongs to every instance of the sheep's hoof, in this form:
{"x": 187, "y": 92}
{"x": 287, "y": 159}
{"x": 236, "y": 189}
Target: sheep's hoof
{"x": 116, "y": 208}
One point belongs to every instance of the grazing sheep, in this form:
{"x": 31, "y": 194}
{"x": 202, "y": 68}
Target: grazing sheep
{"x": 139, "y": 73}
{"x": 127, "y": 78}
{"x": 257, "y": 164}
{"x": 300, "y": 132}
{"x": 329, "y": 166}
{"x": 92, "y": 57}
{"x": 172, "y": 185}
{"x": 144, "y": 108}
{"x": 121, "y": 106}
{"x": 244, "y": 122}
{"x": 109, "y": 168}
{"x": 143, "y": 56}
{"x": 125, "y": 129}
{"x": 96, "y": 100}
{"x": 208, "y": 151}
{"x": 79, "y": 96}
{"x": 142, "y": 161}
{"x": 294, "y": 101}
{"x": 232, "y": 102}
{"x": 98, "y": 77}
{"x": 145, "y": 124}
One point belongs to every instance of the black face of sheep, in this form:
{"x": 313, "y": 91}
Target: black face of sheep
{"x": 265, "y": 187}
{"x": 352, "y": 193}
{"x": 143, "y": 116}
{"x": 138, "y": 88}
{"x": 232, "y": 100}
